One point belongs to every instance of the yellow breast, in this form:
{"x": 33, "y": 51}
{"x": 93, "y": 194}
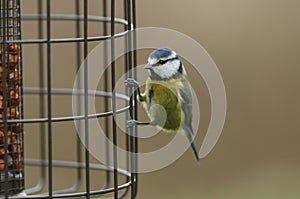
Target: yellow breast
{"x": 163, "y": 104}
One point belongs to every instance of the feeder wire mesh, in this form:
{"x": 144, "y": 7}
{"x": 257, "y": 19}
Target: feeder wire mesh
{"x": 12, "y": 93}
{"x": 11, "y": 133}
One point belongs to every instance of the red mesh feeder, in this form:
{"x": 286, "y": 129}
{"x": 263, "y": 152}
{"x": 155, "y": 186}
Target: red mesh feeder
{"x": 11, "y": 133}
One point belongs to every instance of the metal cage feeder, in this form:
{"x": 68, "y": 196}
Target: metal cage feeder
{"x": 117, "y": 183}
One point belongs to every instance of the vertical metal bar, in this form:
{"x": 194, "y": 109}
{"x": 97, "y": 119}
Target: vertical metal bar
{"x": 135, "y": 94}
{"x": 113, "y": 72}
{"x": 106, "y": 104}
{"x": 77, "y": 146}
{"x": 86, "y": 120}
{"x": 49, "y": 100}
{"x": 41, "y": 183}
{"x": 132, "y": 157}
{"x": 19, "y": 37}
{"x": 127, "y": 90}
{"x": 78, "y": 62}
{"x": 41, "y": 98}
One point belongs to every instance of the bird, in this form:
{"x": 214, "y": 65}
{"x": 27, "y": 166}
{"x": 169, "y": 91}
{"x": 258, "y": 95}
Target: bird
{"x": 167, "y": 98}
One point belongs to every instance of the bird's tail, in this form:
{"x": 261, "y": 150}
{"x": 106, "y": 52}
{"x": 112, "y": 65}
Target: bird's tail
{"x": 189, "y": 133}
{"x": 195, "y": 151}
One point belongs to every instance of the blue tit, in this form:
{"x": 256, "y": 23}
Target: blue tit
{"x": 167, "y": 98}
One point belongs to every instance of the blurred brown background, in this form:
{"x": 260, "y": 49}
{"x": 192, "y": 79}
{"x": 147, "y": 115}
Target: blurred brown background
{"x": 256, "y": 46}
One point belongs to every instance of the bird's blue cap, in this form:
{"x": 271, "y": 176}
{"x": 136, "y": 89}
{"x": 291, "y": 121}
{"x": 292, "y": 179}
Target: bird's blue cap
{"x": 161, "y": 53}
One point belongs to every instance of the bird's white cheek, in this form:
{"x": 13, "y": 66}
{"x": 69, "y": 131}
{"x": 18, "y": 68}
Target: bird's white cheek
{"x": 162, "y": 71}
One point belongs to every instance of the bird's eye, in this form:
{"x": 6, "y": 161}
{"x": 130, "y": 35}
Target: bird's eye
{"x": 162, "y": 62}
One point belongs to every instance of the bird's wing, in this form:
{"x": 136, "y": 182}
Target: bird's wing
{"x": 187, "y": 108}
{"x": 186, "y": 103}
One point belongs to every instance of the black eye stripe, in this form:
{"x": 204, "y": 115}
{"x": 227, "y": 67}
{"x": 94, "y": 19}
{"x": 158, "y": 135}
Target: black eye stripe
{"x": 161, "y": 62}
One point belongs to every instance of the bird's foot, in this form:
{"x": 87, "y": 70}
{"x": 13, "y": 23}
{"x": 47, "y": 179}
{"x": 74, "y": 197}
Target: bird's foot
{"x": 131, "y": 83}
{"x": 131, "y": 123}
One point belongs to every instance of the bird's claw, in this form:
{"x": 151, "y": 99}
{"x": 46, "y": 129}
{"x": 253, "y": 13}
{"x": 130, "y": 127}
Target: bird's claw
{"x": 131, "y": 83}
{"x": 131, "y": 123}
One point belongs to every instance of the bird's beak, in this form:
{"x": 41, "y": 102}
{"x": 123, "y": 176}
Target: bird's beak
{"x": 147, "y": 66}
